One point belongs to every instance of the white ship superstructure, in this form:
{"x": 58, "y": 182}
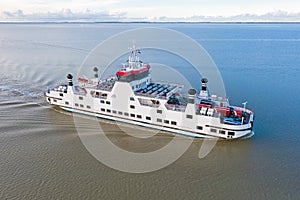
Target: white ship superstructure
{"x": 132, "y": 97}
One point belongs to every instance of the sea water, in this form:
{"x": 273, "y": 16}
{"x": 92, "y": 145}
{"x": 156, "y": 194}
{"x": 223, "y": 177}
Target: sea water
{"x": 42, "y": 156}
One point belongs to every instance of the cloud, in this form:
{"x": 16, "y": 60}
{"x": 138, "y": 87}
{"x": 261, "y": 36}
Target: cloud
{"x": 62, "y": 15}
{"x": 108, "y": 16}
{"x": 276, "y": 16}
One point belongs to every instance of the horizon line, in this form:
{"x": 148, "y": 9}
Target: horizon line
{"x": 150, "y": 22}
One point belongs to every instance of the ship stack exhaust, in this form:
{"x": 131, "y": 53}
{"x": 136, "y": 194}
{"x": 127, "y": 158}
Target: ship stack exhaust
{"x": 204, "y": 92}
{"x": 70, "y": 77}
{"x": 96, "y": 72}
{"x": 192, "y": 93}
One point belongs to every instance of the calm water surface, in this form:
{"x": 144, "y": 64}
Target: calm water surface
{"x": 42, "y": 156}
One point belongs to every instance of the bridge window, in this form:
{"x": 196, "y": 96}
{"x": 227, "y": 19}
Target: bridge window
{"x": 104, "y": 95}
{"x": 213, "y": 130}
{"x": 231, "y": 133}
{"x": 189, "y": 116}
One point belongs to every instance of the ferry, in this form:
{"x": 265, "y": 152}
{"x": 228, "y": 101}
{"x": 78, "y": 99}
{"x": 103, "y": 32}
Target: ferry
{"x": 132, "y": 97}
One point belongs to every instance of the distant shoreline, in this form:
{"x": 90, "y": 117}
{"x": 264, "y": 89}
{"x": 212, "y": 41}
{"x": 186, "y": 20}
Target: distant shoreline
{"x": 146, "y": 22}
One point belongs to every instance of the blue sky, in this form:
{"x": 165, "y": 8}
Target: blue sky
{"x": 153, "y": 10}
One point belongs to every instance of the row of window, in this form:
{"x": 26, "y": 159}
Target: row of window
{"x": 187, "y": 116}
{"x": 125, "y": 113}
{"x": 213, "y": 130}
{"x": 137, "y": 116}
{"x": 166, "y": 121}
{"x": 133, "y": 107}
{"x": 147, "y": 117}
{"x": 98, "y": 95}
{"x": 103, "y": 95}
{"x": 77, "y": 105}
{"x": 107, "y": 102}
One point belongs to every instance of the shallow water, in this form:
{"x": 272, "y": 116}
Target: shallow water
{"x": 42, "y": 156}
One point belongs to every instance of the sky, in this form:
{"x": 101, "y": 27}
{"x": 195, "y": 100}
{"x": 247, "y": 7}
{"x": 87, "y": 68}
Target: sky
{"x": 150, "y": 10}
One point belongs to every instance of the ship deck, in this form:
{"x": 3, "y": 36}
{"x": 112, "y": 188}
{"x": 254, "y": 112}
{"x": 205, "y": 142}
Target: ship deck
{"x": 107, "y": 84}
{"x": 157, "y": 90}
{"x": 153, "y": 90}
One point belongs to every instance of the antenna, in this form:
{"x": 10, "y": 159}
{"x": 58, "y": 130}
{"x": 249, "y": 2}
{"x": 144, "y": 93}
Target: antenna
{"x": 244, "y": 105}
{"x": 133, "y": 59}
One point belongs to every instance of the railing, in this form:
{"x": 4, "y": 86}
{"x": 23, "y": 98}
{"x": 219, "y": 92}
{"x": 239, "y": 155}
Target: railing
{"x": 79, "y": 90}
{"x": 150, "y": 95}
{"x": 179, "y": 108}
{"x": 145, "y": 103}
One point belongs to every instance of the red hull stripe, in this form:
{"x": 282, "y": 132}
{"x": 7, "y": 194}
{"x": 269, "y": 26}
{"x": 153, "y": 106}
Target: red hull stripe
{"x": 135, "y": 72}
{"x": 82, "y": 80}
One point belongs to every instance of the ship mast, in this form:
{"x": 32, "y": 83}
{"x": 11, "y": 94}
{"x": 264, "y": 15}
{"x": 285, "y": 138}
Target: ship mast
{"x": 134, "y": 61}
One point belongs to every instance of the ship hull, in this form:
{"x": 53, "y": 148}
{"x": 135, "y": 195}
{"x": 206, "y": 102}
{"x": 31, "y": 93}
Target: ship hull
{"x": 142, "y": 124}
{"x": 132, "y": 97}
{"x": 120, "y": 103}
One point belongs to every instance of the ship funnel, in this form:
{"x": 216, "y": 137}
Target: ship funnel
{"x": 204, "y": 92}
{"x": 96, "y": 72}
{"x": 192, "y": 93}
{"x": 204, "y": 84}
{"x": 70, "y": 77}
